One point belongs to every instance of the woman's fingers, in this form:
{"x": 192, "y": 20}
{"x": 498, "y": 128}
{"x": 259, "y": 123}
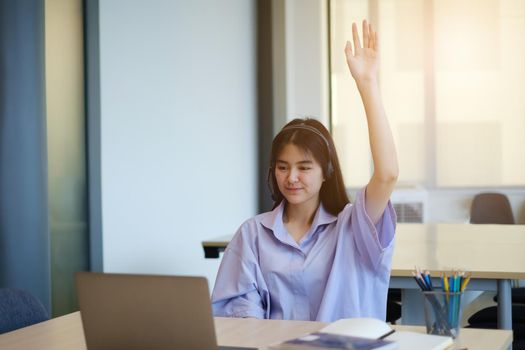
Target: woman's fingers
{"x": 365, "y": 34}
{"x": 371, "y": 36}
{"x": 357, "y": 43}
{"x": 370, "y": 39}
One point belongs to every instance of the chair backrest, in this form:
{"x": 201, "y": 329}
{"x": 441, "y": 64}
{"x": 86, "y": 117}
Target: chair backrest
{"x": 491, "y": 208}
{"x": 19, "y": 309}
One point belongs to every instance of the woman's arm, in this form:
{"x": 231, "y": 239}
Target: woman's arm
{"x": 363, "y": 62}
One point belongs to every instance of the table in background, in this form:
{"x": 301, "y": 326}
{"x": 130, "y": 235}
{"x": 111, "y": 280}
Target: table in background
{"x": 494, "y": 254}
{"x": 66, "y": 333}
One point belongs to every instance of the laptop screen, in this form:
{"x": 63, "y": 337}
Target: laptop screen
{"x": 146, "y": 312}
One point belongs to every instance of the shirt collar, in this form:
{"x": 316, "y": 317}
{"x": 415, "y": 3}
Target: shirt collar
{"x": 274, "y": 221}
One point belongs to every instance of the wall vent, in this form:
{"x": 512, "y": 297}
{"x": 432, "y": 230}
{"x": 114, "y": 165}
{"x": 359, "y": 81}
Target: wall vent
{"x": 410, "y": 204}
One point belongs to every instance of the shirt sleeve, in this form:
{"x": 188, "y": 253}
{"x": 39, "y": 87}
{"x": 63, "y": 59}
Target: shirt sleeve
{"x": 372, "y": 240}
{"x": 239, "y": 290}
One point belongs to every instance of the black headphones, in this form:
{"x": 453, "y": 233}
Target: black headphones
{"x": 303, "y": 126}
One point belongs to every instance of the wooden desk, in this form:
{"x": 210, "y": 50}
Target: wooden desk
{"x": 493, "y": 253}
{"x": 66, "y": 333}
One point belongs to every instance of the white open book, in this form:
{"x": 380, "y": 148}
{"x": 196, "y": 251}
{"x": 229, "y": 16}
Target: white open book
{"x": 366, "y": 334}
{"x": 377, "y": 329}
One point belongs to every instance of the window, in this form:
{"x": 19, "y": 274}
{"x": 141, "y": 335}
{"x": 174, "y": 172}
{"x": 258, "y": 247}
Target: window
{"x": 452, "y": 81}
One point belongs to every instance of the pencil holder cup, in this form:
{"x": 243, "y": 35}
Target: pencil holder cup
{"x": 442, "y": 312}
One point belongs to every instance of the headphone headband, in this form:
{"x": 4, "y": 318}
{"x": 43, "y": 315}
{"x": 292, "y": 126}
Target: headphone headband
{"x": 307, "y": 127}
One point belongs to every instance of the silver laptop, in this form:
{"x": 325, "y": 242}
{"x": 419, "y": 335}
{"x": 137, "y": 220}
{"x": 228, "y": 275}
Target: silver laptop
{"x": 122, "y": 311}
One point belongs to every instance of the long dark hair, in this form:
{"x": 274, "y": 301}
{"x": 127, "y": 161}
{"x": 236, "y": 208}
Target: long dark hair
{"x": 302, "y": 133}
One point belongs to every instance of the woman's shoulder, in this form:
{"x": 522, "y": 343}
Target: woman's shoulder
{"x": 357, "y": 202}
{"x": 346, "y": 211}
{"x": 251, "y": 228}
{"x": 253, "y": 222}
{"x": 262, "y": 220}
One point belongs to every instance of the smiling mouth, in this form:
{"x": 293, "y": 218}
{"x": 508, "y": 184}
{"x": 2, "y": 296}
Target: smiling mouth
{"x": 293, "y": 189}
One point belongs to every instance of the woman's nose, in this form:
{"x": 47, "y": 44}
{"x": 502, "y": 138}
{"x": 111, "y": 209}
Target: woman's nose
{"x": 293, "y": 176}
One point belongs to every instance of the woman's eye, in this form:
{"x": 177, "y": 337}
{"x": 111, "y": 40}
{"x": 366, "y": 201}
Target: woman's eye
{"x": 281, "y": 168}
{"x": 304, "y": 168}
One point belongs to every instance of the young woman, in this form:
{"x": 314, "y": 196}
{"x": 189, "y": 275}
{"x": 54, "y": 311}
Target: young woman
{"x": 315, "y": 256}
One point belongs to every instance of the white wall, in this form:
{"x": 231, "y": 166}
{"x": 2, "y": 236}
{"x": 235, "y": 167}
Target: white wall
{"x": 178, "y": 134}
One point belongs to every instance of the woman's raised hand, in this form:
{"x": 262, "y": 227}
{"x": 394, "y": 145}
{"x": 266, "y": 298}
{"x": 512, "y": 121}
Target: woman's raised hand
{"x": 363, "y": 61}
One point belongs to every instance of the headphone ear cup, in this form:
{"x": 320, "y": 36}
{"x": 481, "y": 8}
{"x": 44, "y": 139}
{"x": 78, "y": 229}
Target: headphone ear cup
{"x": 329, "y": 170}
{"x": 269, "y": 181}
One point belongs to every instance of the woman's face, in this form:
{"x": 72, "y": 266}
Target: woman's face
{"x": 299, "y": 176}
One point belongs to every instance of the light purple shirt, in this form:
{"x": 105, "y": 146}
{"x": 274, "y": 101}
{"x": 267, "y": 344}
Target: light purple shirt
{"x": 339, "y": 269}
